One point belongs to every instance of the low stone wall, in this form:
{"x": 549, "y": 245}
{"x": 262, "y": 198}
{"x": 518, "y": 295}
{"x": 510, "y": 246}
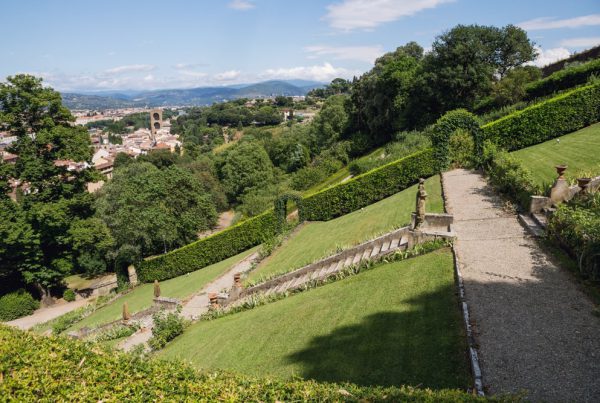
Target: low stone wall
{"x": 540, "y": 203}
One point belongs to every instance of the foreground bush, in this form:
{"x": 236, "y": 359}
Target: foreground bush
{"x": 563, "y": 114}
{"x": 369, "y": 187}
{"x": 563, "y": 79}
{"x": 207, "y": 251}
{"x": 17, "y": 304}
{"x": 166, "y": 327}
{"x": 576, "y": 226}
{"x": 35, "y": 368}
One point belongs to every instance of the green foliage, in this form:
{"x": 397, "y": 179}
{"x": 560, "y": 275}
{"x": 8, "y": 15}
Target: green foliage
{"x": 91, "y": 240}
{"x": 446, "y": 127}
{"x": 369, "y": 188}
{"x": 245, "y": 166}
{"x": 102, "y": 373}
{"x": 17, "y": 304}
{"x": 117, "y": 332}
{"x": 461, "y": 149}
{"x": 510, "y": 89}
{"x": 150, "y": 209}
{"x": 166, "y": 327}
{"x": 548, "y": 119}
{"x": 65, "y": 321}
{"x": 212, "y": 249}
{"x": 331, "y": 121}
{"x": 576, "y": 226}
{"x": 406, "y": 143}
{"x": 281, "y": 207}
{"x": 509, "y": 176}
{"x": 563, "y": 79}
{"x": 69, "y": 295}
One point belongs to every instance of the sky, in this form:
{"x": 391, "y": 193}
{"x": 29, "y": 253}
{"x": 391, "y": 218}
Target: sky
{"x": 78, "y": 45}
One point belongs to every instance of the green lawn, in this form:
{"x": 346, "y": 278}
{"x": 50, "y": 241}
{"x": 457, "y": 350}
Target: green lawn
{"x": 316, "y": 240}
{"x": 579, "y": 150}
{"x": 396, "y": 324}
{"x": 141, "y": 297}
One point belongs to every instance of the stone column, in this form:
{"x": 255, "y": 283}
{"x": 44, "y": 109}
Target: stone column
{"x": 214, "y": 300}
{"x": 420, "y": 204}
{"x": 583, "y": 184}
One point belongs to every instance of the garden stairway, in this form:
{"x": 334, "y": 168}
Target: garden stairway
{"x": 436, "y": 226}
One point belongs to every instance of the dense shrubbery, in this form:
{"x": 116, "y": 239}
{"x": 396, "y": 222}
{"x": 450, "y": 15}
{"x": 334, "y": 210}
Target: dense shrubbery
{"x": 207, "y": 251}
{"x": 508, "y": 176}
{"x": 53, "y": 364}
{"x": 446, "y": 127}
{"x": 576, "y": 226}
{"x": 166, "y": 327}
{"x": 406, "y": 143}
{"x": 17, "y": 304}
{"x": 69, "y": 295}
{"x": 563, "y": 79}
{"x": 369, "y": 188}
{"x": 552, "y": 118}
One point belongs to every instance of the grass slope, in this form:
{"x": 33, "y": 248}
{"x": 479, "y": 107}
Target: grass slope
{"x": 316, "y": 240}
{"x": 141, "y": 297}
{"x": 579, "y": 150}
{"x": 396, "y": 324}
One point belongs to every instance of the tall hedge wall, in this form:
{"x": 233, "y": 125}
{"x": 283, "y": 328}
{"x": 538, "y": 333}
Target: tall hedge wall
{"x": 207, "y": 251}
{"x": 563, "y": 114}
{"x": 369, "y": 187}
{"x": 563, "y": 79}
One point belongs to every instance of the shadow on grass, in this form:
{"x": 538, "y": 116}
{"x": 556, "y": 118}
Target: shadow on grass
{"x": 424, "y": 346}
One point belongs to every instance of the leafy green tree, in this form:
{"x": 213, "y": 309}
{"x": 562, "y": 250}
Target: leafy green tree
{"x": 45, "y": 136}
{"x": 268, "y": 115}
{"x": 92, "y": 241}
{"x": 150, "y": 210}
{"x": 331, "y": 121}
{"x": 245, "y": 166}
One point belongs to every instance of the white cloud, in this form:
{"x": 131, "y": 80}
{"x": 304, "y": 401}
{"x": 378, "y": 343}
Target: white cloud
{"x": 368, "y": 14}
{"x": 361, "y": 53}
{"x": 548, "y": 56}
{"x": 589, "y": 42}
{"x": 230, "y": 75}
{"x": 241, "y": 5}
{"x": 553, "y": 23}
{"x": 131, "y": 68}
{"x": 326, "y": 72}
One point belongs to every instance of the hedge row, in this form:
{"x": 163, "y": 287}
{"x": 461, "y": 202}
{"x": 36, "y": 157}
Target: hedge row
{"x": 369, "y": 187}
{"x": 17, "y": 304}
{"x": 207, "y": 251}
{"x": 562, "y": 80}
{"x": 36, "y": 368}
{"x": 543, "y": 121}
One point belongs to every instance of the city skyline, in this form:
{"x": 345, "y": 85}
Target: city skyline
{"x": 149, "y": 45}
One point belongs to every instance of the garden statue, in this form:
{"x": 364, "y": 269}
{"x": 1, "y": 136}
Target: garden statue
{"x": 560, "y": 190}
{"x": 420, "y": 205}
{"x": 126, "y": 315}
{"x": 156, "y": 289}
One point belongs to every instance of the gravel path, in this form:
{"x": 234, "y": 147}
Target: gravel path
{"x": 534, "y": 328}
{"x": 45, "y": 314}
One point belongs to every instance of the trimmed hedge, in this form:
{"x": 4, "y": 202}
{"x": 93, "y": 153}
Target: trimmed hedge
{"x": 35, "y": 368}
{"x": 562, "y": 80}
{"x": 207, "y": 251}
{"x": 445, "y": 127}
{"x": 17, "y": 304}
{"x": 369, "y": 187}
{"x": 563, "y": 114}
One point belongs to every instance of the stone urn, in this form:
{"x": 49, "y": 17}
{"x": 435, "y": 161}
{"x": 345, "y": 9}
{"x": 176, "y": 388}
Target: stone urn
{"x": 560, "y": 170}
{"x": 583, "y": 183}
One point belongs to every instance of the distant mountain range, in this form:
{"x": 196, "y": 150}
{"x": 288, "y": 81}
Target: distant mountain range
{"x": 186, "y": 97}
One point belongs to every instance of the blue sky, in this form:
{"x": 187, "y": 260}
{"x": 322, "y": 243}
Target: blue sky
{"x": 127, "y": 44}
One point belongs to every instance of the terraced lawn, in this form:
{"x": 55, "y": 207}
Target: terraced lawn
{"x": 316, "y": 240}
{"x": 141, "y": 297}
{"x": 396, "y": 324}
{"x": 579, "y": 150}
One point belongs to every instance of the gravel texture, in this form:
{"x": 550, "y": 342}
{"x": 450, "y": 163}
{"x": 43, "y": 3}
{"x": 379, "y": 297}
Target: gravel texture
{"x": 534, "y": 327}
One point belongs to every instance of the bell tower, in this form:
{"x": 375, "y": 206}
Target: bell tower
{"x": 155, "y": 121}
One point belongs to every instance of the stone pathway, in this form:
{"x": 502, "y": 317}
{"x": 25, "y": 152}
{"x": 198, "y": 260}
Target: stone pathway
{"x": 196, "y": 306}
{"x": 534, "y": 328}
{"x": 45, "y": 314}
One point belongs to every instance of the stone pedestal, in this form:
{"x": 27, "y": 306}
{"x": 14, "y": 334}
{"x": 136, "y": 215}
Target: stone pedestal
{"x": 133, "y": 278}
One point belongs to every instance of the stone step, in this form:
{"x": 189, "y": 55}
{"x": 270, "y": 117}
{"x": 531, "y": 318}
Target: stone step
{"x": 386, "y": 246}
{"x": 366, "y": 254}
{"x": 357, "y": 258}
{"x": 376, "y": 249}
{"x": 326, "y": 269}
{"x": 540, "y": 219}
{"x": 403, "y": 242}
{"x": 334, "y": 267}
{"x": 394, "y": 243}
{"x": 348, "y": 261}
{"x": 533, "y": 227}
